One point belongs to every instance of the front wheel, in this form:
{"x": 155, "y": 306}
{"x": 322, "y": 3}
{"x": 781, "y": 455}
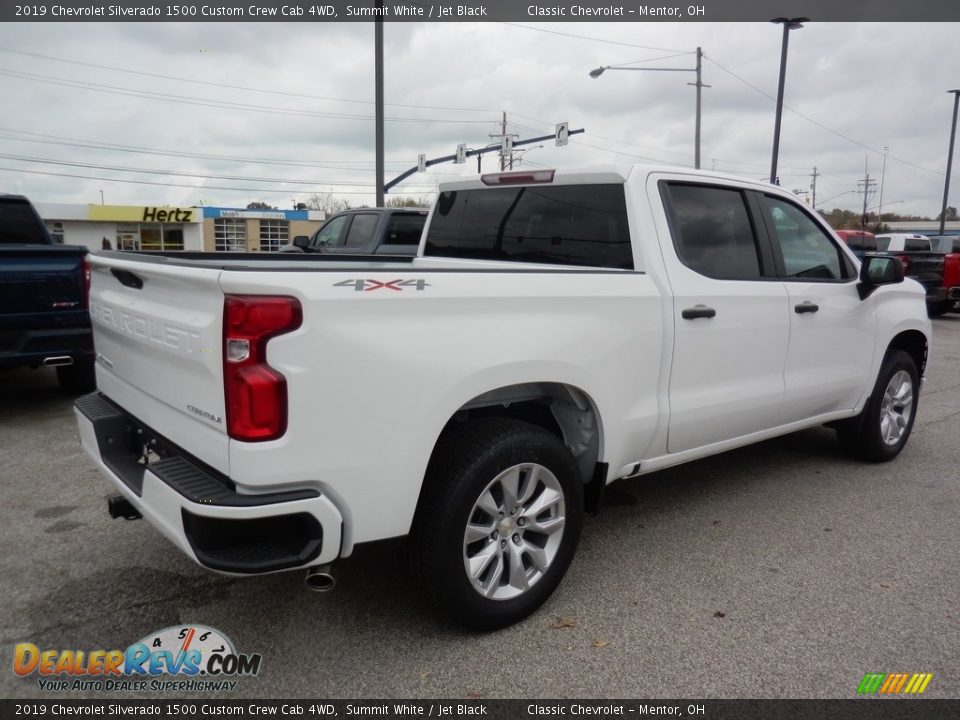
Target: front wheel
{"x": 880, "y": 432}
{"x": 498, "y": 521}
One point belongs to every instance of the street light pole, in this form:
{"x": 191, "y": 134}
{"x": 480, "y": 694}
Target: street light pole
{"x": 883, "y": 172}
{"x": 788, "y": 25}
{"x": 946, "y": 182}
{"x": 378, "y": 101}
{"x": 698, "y": 84}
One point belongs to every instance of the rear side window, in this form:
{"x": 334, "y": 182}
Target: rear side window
{"x": 405, "y": 229}
{"x": 883, "y": 243}
{"x": 18, "y": 224}
{"x": 712, "y": 232}
{"x": 581, "y": 225}
{"x": 912, "y": 244}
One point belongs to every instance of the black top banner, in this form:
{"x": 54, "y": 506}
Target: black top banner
{"x": 480, "y": 10}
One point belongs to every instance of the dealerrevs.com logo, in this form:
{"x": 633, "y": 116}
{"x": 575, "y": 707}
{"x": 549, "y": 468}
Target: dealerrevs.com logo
{"x": 187, "y": 658}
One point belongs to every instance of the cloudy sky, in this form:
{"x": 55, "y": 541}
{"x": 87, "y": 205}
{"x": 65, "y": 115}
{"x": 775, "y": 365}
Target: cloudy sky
{"x": 226, "y": 114}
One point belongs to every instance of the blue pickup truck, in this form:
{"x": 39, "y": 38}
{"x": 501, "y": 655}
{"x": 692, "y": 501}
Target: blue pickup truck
{"x": 44, "y": 318}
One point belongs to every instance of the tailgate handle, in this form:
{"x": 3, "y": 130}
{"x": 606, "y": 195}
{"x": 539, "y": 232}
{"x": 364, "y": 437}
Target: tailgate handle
{"x": 127, "y": 278}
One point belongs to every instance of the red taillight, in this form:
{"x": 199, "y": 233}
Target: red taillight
{"x": 905, "y": 259}
{"x": 85, "y": 270}
{"x": 951, "y": 270}
{"x": 256, "y": 394}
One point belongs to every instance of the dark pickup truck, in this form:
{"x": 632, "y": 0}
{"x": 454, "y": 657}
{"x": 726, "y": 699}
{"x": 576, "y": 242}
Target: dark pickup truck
{"x": 366, "y": 231}
{"x": 44, "y": 320}
{"x": 934, "y": 262}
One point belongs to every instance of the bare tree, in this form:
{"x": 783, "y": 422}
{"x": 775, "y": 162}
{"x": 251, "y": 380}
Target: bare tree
{"x": 327, "y": 202}
{"x": 401, "y": 201}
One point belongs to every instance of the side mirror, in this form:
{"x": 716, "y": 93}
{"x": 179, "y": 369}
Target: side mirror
{"x": 876, "y": 270}
{"x": 302, "y": 242}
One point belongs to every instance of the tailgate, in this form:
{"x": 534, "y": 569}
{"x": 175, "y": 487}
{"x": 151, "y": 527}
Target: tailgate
{"x": 37, "y": 279}
{"x": 158, "y": 334}
{"x": 926, "y": 268}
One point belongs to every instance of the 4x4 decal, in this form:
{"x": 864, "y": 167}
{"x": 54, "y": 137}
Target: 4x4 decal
{"x": 367, "y": 285}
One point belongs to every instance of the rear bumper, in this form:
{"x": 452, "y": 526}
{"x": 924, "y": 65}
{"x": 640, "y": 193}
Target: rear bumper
{"x": 32, "y": 347}
{"x": 199, "y": 509}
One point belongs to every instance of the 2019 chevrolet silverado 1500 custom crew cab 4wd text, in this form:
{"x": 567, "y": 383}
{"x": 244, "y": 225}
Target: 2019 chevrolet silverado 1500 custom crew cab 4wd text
{"x": 557, "y": 330}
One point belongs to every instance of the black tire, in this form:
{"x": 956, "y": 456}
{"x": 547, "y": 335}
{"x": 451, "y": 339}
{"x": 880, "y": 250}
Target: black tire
{"x": 468, "y": 462}
{"x": 863, "y": 436}
{"x": 78, "y": 378}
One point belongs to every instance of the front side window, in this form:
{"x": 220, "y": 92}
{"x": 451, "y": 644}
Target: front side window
{"x": 579, "y": 225}
{"x": 330, "y": 235}
{"x": 712, "y": 232}
{"x": 808, "y": 252}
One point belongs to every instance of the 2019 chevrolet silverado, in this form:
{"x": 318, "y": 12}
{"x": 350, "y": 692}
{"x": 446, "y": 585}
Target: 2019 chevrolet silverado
{"x": 557, "y": 331}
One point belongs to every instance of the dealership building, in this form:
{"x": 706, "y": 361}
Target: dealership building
{"x": 162, "y": 227}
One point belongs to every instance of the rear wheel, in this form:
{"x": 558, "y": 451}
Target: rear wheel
{"x": 498, "y": 522}
{"x": 880, "y": 432}
{"x": 77, "y": 378}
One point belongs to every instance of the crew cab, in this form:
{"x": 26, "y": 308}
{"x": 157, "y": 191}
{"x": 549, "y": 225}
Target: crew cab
{"x": 43, "y": 299}
{"x": 366, "y": 231}
{"x": 558, "y": 330}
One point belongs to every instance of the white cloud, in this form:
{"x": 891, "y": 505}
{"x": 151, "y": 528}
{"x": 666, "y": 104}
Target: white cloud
{"x": 873, "y": 85}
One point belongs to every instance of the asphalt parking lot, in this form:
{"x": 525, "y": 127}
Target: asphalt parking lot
{"x": 780, "y": 570}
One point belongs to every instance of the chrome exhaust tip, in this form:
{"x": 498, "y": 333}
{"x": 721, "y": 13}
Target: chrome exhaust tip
{"x": 320, "y": 578}
{"x": 57, "y": 361}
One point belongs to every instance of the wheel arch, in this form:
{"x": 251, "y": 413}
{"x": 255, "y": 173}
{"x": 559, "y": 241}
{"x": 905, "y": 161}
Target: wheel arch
{"x": 914, "y": 343}
{"x": 562, "y": 409}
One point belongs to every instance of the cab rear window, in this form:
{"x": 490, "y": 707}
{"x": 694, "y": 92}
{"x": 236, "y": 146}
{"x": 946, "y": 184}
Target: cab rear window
{"x": 580, "y": 225}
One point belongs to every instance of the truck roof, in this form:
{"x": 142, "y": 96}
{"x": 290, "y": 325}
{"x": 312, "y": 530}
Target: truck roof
{"x": 606, "y": 173}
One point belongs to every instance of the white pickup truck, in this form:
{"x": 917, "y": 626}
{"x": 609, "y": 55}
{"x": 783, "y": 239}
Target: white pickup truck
{"x": 557, "y": 331}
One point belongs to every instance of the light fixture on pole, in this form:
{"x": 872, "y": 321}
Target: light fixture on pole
{"x": 698, "y": 84}
{"x": 946, "y": 182}
{"x": 788, "y": 25}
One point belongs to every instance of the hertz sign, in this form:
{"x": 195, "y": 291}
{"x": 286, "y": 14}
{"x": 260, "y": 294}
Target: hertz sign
{"x": 143, "y": 213}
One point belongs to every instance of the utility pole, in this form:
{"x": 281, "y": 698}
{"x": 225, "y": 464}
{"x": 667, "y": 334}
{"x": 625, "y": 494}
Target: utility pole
{"x": 813, "y": 187}
{"x": 699, "y": 85}
{"x": 503, "y": 134}
{"x": 883, "y": 173}
{"x": 946, "y": 182}
{"x": 378, "y": 100}
{"x": 867, "y": 190}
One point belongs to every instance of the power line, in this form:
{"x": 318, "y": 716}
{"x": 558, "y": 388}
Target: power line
{"x": 176, "y": 185}
{"x": 234, "y": 87}
{"x": 594, "y": 39}
{"x": 147, "y": 171}
{"x": 188, "y": 100}
{"x": 113, "y": 147}
{"x": 821, "y": 125}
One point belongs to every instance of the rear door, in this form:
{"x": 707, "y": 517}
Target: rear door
{"x": 158, "y": 334}
{"x": 730, "y": 317}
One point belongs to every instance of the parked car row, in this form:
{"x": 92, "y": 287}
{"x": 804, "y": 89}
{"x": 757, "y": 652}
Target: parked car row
{"x": 934, "y": 262}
